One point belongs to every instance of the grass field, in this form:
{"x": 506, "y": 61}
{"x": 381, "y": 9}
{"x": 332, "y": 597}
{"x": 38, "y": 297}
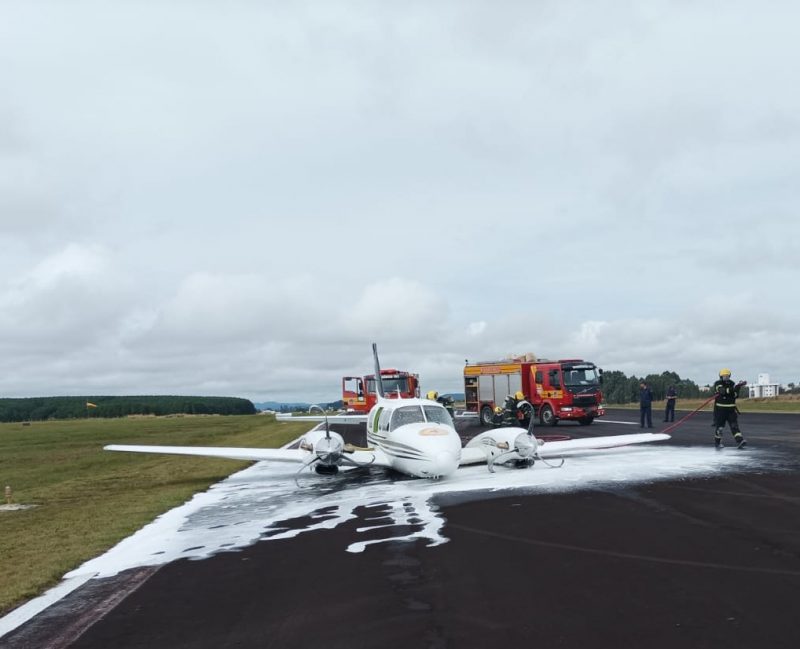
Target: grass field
{"x": 89, "y": 499}
{"x": 789, "y": 403}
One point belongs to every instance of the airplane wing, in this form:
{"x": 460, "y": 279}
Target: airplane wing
{"x": 472, "y": 455}
{"x": 374, "y": 457}
{"x": 584, "y": 446}
{"x": 251, "y": 454}
{"x": 588, "y": 445}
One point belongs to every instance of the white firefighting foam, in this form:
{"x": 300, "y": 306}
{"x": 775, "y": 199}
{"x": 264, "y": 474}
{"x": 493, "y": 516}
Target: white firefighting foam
{"x": 264, "y": 502}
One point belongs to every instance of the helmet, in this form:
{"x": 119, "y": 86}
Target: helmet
{"x": 432, "y": 395}
{"x": 518, "y": 395}
{"x": 498, "y": 410}
{"x": 724, "y": 372}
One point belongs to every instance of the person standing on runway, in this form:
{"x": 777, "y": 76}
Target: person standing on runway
{"x": 672, "y": 397}
{"x": 645, "y": 405}
{"x": 725, "y": 410}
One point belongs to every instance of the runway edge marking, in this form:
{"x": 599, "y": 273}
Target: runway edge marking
{"x": 96, "y": 613}
{"x": 31, "y": 609}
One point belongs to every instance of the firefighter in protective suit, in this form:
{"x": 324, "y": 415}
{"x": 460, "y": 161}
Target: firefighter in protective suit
{"x": 725, "y": 411}
{"x": 512, "y": 402}
{"x": 511, "y": 410}
{"x": 446, "y": 401}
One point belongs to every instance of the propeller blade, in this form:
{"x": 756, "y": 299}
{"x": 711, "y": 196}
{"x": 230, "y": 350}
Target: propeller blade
{"x": 351, "y": 462}
{"x": 492, "y": 459}
{"x": 324, "y": 414}
{"x": 306, "y": 465}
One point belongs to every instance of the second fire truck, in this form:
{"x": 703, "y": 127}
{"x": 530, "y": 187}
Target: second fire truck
{"x": 359, "y": 394}
{"x": 564, "y": 389}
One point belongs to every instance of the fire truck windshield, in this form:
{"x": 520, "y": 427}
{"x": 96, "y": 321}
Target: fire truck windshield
{"x": 580, "y": 375}
{"x": 390, "y": 386}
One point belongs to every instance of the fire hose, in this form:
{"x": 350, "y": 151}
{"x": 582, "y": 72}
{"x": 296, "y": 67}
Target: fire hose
{"x": 691, "y": 414}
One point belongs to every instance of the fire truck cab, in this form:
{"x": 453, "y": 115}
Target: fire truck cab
{"x": 359, "y": 393}
{"x": 564, "y": 389}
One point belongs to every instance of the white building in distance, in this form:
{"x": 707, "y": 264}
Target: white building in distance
{"x": 763, "y": 388}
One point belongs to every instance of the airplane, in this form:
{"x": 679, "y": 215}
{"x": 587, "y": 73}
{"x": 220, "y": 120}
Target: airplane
{"x": 412, "y": 436}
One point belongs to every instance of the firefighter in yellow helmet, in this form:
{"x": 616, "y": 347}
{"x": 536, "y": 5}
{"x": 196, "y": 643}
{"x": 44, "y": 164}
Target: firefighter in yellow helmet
{"x": 510, "y": 404}
{"x": 445, "y": 400}
{"x": 511, "y": 410}
{"x": 726, "y": 392}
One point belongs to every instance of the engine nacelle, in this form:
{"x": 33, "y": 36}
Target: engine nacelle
{"x": 328, "y": 449}
{"x": 504, "y": 445}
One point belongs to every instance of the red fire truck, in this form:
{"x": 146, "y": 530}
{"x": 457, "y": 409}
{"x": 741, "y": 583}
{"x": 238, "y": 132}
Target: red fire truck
{"x": 563, "y": 389}
{"x": 395, "y": 382}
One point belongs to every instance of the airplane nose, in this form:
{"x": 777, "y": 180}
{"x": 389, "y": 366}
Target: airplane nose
{"x": 446, "y": 463}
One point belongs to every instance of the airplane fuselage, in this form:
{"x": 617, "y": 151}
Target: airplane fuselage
{"x": 416, "y": 435}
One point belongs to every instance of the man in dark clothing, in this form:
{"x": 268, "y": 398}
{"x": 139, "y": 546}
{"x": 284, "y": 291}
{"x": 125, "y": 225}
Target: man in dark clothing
{"x": 725, "y": 408}
{"x": 645, "y": 405}
{"x": 672, "y": 397}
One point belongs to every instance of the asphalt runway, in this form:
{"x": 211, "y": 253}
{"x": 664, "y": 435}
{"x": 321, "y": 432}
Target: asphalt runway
{"x": 710, "y": 561}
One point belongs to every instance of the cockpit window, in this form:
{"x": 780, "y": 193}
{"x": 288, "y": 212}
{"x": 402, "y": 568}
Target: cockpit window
{"x": 437, "y": 415}
{"x": 383, "y": 422}
{"x": 406, "y": 415}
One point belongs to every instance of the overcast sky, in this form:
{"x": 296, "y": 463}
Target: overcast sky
{"x": 237, "y": 198}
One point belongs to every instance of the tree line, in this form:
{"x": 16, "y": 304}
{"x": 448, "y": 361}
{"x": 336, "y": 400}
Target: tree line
{"x": 619, "y": 388}
{"x": 43, "y": 408}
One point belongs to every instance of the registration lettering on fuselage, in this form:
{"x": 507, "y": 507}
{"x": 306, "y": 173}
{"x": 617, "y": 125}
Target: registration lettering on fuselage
{"x": 434, "y": 432}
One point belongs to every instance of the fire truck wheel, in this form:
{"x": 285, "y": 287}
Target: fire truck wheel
{"x": 487, "y": 416}
{"x": 585, "y": 421}
{"x": 547, "y": 417}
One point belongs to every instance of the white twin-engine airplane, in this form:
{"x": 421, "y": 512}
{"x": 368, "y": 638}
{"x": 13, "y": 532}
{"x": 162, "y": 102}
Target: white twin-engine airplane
{"x": 412, "y": 436}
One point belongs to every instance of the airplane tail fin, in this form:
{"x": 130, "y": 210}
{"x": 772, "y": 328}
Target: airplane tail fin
{"x": 378, "y": 380}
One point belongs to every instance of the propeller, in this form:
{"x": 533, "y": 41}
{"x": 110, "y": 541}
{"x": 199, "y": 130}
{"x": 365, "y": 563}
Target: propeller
{"x": 328, "y": 453}
{"x": 524, "y": 450}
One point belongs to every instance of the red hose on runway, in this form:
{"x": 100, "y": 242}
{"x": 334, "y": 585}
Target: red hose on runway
{"x": 691, "y": 414}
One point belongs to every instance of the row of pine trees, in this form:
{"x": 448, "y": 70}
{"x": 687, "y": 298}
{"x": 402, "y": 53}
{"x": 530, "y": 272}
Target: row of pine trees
{"x": 43, "y": 408}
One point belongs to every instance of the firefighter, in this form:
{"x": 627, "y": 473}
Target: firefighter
{"x": 725, "y": 410}
{"x": 445, "y": 400}
{"x": 511, "y": 408}
{"x": 511, "y": 403}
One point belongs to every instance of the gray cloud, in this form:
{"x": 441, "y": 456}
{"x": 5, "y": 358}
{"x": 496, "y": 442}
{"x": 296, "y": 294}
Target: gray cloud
{"x": 239, "y": 199}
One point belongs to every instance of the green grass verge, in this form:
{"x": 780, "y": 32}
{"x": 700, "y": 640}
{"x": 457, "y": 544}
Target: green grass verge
{"x": 89, "y": 499}
{"x": 778, "y": 405}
